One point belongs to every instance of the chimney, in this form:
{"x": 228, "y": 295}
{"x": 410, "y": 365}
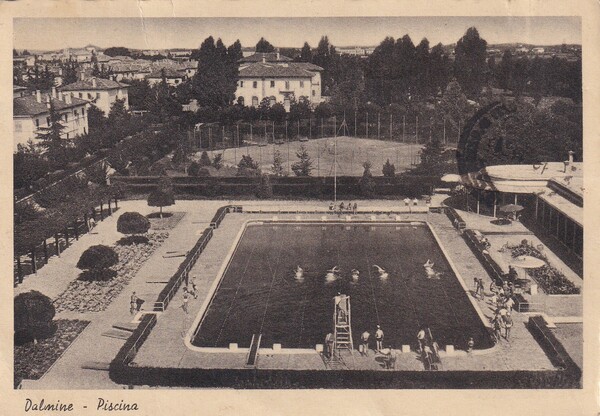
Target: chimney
{"x": 94, "y": 82}
{"x": 278, "y": 55}
{"x": 67, "y": 98}
{"x": 54, "y": 95}
{"x": 264, "y": 59}
{"x": 38, "y": 96}
{"x": 48, "y": 103}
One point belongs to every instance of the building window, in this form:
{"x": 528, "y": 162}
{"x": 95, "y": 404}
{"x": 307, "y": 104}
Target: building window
{"x": 301, "y": 84}
{"x": 272, "y": 101}
{"x": 48, "y": 121}
{"x": 37, "y": 123}
{"x": 314, "y": 93}
{"x": 67, "y": 136}
{"x": 241, "y": 84}
{"x": 287, "y": 85}
{"x": 97, "y": 95}
{"x": 76, "y": 113}
{"x": 80, "y": 95}
{"x": 254, "y": 84}
{"x": 254, "y": 101}
{"x": 241, "y": 100}
{"x": 272, "y": 84}
{"x": 66, "y": 118}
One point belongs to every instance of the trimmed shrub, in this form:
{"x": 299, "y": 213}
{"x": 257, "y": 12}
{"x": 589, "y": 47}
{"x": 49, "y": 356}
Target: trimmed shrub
{"x": 34, "y": 313}
{"x": 264, "y": 189}
{"x": 133, "y": 223}
{"x": 161, "y": 198}
{"x": 205, "y": 159}
{"x": 96, "y": 260}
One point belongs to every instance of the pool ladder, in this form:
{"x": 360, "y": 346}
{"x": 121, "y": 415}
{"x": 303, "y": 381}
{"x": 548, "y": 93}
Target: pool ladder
{"x": 342, "y": 324}
{"x": 252, "y": 357}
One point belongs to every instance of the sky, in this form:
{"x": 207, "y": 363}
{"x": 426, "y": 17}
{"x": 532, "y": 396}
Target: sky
{"x": 164, "y": 33}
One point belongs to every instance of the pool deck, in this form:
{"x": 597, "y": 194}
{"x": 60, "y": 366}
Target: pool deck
{"x": 522, "y": 353}
{"x": 165, "y": 346}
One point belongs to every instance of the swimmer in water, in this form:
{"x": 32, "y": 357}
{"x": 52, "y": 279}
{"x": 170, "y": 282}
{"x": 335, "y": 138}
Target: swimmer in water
{"x": 382, "y": 273}
{"x": 332, "y": 274}
{"x": 299, "y": 273}
{"x": 355, "y": 274}
{"x": 432, "y": 274}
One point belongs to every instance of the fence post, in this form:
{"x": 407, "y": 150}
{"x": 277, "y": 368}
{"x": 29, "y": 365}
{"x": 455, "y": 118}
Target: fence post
{"x": 45, "y": 251}
{"x": 87, "y": 223}
{"x": 57, "y": 242}
{"x": 19, "y": 270}
{"x": 33, "y": 263}
{"x": 101, "y": 211}
{"x": 76, "y": 229}
{"x": 67, "y": 236}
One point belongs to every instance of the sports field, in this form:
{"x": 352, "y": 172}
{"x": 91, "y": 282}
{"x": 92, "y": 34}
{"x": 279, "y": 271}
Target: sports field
{"x": 351, "y": 154}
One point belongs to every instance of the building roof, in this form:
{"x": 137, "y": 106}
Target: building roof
{"x": 168, "y": 73}
{"x": 565, "y": 206}
{"x": 267, "y": 56}
{"x": 18, "y": 88}
{"x": 272, "y": 70}
{"x": 88, "y": 84}
{"x": 28, "y": 105}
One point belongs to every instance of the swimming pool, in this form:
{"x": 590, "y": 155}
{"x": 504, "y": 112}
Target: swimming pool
{"x": 259, "y": 294}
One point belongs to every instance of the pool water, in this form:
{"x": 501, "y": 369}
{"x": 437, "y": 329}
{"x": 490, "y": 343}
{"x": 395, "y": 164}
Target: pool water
{"x": 259, "y": 294}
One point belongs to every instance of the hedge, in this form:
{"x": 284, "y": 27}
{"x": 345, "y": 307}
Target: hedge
{"x": 331, "y": 379}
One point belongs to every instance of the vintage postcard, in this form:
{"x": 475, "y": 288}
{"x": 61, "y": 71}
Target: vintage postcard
{"x": 300, "y": 208}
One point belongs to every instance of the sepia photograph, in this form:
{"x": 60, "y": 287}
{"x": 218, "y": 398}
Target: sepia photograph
{"x": 294, "y": 203}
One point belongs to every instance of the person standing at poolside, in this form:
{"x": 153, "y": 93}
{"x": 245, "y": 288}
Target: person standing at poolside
{"x": 420, "y": 340}
{"x": 379, "y": 338}
{"x": 133, "y": 303}
{"x": 186, "y": 298}
{"x": 355, "y": 209}
{"x": 365, "y": 343}
{"x": 508, "y": 323}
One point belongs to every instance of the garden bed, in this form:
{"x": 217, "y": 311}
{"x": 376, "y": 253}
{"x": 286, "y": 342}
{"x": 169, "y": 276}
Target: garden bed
{"x": 551, "y": 280}
{"x": 168, "y": 222}
{"x": 84, "y": 296}
{"x": 33, "y": 360}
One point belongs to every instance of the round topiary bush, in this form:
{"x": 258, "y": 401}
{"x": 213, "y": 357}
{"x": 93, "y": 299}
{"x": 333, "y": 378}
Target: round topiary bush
{"x": 96, "y": 260}
{"x": 133, "y": 223}
{"x": 34, "y": 313}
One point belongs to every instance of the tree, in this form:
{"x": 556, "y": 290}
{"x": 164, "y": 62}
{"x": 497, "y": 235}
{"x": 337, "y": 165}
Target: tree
{"x": 51, "y": 138}
{"x": 96, "y": 119}
{"x": 28, "y": 167}
{"x": 163, "y": 195}
{"x": 304, "y": 165}
{"x": 277, "y": 168}
{"x": 306, "y": 54}
{"x": 263, "y": 45}
{"x": 248, "y": 167}
{"x": 366, "y": 183}
{"x": 205, "y": 159}
{"x": 215, "y": 82}
{"x": 389, "y": 170}
{"x": 139, "y": 94}
{"x": 470, "y": 62}
{"x": 196, "y": 170}
{"x": 218, "y": 161}
{"x": 325, "y": 57}
{"x": 433, "y": 159}
{"x": 97, "y": 260}
{"x": 300, "y": 110}
{"x": 264, "y": 189}
{"x": 33, "y": 315}
{"x": 133, "y": 223}
{"x": 453, "y": 106}
{"x": 277, "y": 112}
{"x": 117, "y": 51}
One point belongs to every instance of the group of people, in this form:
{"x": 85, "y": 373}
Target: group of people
{"x": 365, "y": 338}
{"x": 341, "y": 208}
{"x": 335, "y": 273}
{"x": 427, "y": 348}
{"x": 189, "y": 290}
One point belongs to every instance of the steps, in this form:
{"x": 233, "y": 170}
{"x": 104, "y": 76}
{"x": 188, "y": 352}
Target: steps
{"x": 117, "y": 333}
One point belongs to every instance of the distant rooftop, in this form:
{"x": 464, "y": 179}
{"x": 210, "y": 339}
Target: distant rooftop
{"x": 267, "y": 57}
{"x": 274, "y": 70}
{"x": 94, "y": 84}
{"x": 29, "y": 106}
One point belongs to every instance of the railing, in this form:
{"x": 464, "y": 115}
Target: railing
{"x": 183, "y": 272}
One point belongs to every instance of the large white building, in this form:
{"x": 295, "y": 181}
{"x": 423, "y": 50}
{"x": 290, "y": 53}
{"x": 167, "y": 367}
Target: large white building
{"x": 274, "y": 76}
{"x": 31, "y": 113}
{"x": 99, "y": 91}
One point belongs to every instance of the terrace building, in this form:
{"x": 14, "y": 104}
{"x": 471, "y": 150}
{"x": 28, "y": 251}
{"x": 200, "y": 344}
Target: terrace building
{"x": 552, "y": 193}
{"x": 32, "y": 112}
{"x": 99, "y": 91}
{"x": 274, "y": 76}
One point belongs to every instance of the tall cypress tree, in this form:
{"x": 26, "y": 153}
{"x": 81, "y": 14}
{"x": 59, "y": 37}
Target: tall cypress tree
{"x": 51, "y": 140}
{"x": 469, "y": 63}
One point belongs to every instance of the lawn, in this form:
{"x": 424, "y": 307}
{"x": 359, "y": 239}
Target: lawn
{"x": 350, "y": 155}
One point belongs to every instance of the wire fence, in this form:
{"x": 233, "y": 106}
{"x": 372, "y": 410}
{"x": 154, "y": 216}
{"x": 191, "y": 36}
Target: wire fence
{"x": 379, "y": 126}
